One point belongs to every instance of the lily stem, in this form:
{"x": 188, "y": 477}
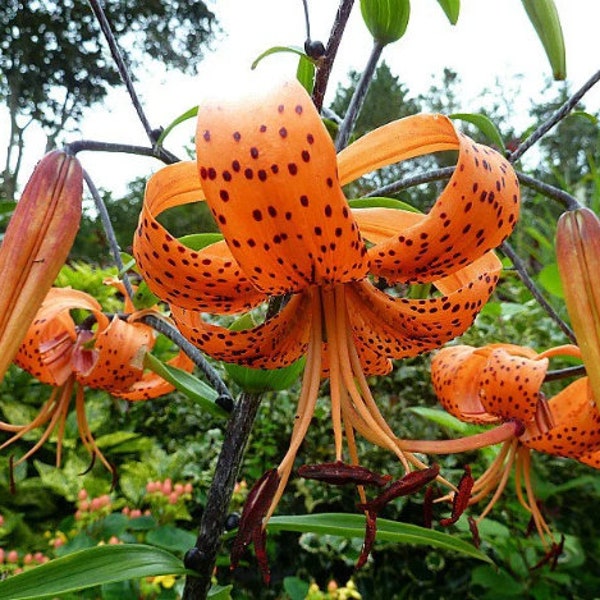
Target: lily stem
{"x": 110, "y": 232}
{"x": 358, "y": 98}
{"x": 202, "y": 558}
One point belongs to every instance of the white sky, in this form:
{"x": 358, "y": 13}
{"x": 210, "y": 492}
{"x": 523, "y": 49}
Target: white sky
{"x": 493, "y": 40}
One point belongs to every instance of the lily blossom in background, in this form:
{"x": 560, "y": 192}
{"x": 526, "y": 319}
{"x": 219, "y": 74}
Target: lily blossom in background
{"x": 268, "y": 170}
{"x": 107, "y": 353}
{"x": 500, "y": 383}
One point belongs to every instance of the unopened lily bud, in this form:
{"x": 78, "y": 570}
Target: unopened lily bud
{"x": 36, "y": 245}
{"x": 578, "y": 256}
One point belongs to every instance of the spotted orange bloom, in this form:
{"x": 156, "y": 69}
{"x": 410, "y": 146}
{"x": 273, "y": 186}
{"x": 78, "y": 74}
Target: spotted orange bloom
{"x": 502, "y": 382}
{"x": 268, "y": 170}
{"x": 107, "y": 356}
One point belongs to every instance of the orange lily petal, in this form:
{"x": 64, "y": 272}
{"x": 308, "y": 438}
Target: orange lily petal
{"x": 511, "y": 382}
{"x": 500, "y": 381}
{"x": 576, "y": 431}
{"x": 476, "y": 212}
{"x": 455, "y": 375}
{"x": 118, "y": 356}
{"x": 402, "y": 327}
{"x": 209, "y": 279}
{"x": 405, "y": 138}
{"x": 277, "y": 342}
{"x": 36, "y": 244}
{"x": 268, "y": 169}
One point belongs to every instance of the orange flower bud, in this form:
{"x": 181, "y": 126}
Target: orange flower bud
{"x": 36, "y": 244}
{"x": 578, "y": 255}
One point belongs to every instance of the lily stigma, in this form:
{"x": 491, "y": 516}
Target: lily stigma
{"x": 267, "y": 168}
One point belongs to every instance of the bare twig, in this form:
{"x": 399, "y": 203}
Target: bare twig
{"x": 326, "y": 63}
{"x": 95, "y": 146}
{"x": 121, "y": 66}
{"x": 532, "y": 287}
{"x": 567, "y": 200}
{"x": 109, "y": 231}
{"x": 358, "y": 98}
{"x": 555, "y": 118}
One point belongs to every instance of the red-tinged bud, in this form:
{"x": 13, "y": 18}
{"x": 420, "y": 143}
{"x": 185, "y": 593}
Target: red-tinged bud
{"x": 256, "y": 507}
{"x": 339, "y": 473}
{"x": 578, "y": 256}
{"x": 461, "y": 497}
{"x": 36, "y": 245}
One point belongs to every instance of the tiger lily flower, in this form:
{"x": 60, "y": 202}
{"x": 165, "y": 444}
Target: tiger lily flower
{"x": 268, "y": 170}
{"x": 36, "y": 244}
{"x": 69, "y": 357}
{"x": 500, "y": 383}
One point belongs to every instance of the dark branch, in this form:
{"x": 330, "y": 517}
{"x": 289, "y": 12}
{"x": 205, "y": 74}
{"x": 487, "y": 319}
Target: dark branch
{"x": 157, "y": 152}
{"x": 202, "y": 557}
{"x": 326, "y": 63}
{"x": 555, "y": 118}
{"x": 109, "y": 231}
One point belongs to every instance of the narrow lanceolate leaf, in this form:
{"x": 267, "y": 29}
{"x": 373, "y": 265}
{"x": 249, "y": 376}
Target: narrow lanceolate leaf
{"x": 386, "y": 19}
{"x": 544, "y": 18}
{"x": 36, "y": 244}
{"x": 578, "y": 255}
{"x": 451, "y": 8}
{"x": 89, "y": 568}
{"x": 353, "y": 526}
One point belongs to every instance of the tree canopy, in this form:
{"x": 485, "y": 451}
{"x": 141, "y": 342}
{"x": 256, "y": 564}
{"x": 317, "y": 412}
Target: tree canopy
{"x": 54, "y": 62}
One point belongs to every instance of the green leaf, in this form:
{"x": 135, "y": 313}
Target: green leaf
{"x": 91, "y": 567}
{"x": 353, "y": 526}
{"x": 451, "y": 8}
{"x": 186, "y": 383}
{"x": 386, "y": 19}
{"x": 295, "y": 588}
{"x": 549, "y": 279}
{"x": 305, "y": 73}
{"x": 197, "y": 241}
{"x": 220, "y": 592}
{"x": 277, "y": 50}
{"x": 143, "y": 297}
{"x": 171, "y": 538}
{"x": 485, "y": 125}
{"x": 546, "y": 22}
{"x": 188, "y": 114}
{"x": 441, "y": 418}
{"x": 381, "y": 202}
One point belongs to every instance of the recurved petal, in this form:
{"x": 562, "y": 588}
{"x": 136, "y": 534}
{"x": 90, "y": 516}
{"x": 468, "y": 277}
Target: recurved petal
{"x": 455, "y": 375}
{"x": 118, "y": 356}
{"x": 36, "y": 244}
{"x": 576, "y": 430}
{"x": 276, "y": 343}
{"x": 400, "y": 140}
{"x": 268, "y": 169}
{"x": 209, "y": 279}
{"x": 476, "y": 211}
{"x": 402, "y": 327}
{"x": 151, "y": 385}
{"x": 511, "y": 382}
{"x": 47, "y": 350}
